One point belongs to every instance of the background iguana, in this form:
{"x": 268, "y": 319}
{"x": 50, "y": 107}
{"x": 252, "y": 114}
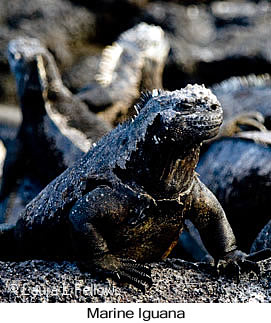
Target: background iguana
{"x": 56, "y": 129}
{"x": 246, "y": 103}
{"x": 134, "y": 62}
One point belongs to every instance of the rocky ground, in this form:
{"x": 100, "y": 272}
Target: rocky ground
{"x": 173, "y": 281}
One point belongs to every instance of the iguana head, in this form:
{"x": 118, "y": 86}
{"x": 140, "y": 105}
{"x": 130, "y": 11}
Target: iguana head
{"x": 32, "y": 65}
{"x": 159, "y": 148}
{"x": 192, "y": 114}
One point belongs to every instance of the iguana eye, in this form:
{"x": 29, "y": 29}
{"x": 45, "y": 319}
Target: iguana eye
{"x": 214, "y": 106}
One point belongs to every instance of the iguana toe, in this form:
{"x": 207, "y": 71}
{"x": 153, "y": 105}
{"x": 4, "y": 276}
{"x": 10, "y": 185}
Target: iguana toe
{"x": 248, "y": 266}
{"x": 123, "y": 270}
{"x": 229, "y": 269}
{"x": 252, "y": 120}
{"x": 130, "y": 279}
{"x": 136, "y": 274}
{"x": 237, "y": 262}
{"x": 138, "y": 271}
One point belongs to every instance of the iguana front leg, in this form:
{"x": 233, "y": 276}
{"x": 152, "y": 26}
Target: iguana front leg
{"x": 216, "y": 233}
{"x": 91, "y": 218}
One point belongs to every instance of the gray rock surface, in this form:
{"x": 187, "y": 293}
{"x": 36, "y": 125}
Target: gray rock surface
{"x": 174, "y": 281}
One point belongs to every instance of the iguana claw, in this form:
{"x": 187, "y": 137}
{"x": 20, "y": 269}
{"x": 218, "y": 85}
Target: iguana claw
{"x": 122, "y": 270}
{"x": 237, "y": 262}
{"x": 136, "y": 274}
{"x": 229, "y": 269}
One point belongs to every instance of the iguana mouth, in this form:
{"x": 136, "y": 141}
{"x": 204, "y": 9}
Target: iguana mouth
{"x": 206, "y": 127}
{"x": 211, "y": 126}
{"x": 206, "y": 124}
{"x": 216, "y": 120}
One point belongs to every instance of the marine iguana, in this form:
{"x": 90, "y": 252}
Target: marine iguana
{"x": 56, "y": 127}
{"x": 245, "y": 107}
{"x": 134, "y": 62}
{"x": 124, "y": 202}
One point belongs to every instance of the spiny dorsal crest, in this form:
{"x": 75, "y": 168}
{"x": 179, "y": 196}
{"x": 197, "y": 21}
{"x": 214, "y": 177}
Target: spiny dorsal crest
{"x": 109, "y": 61}
{"x": 143, "y": 37}
{"x": 243, "y": 82}
{"x": 42, "y": 74}
{"x": 145, "y": 98}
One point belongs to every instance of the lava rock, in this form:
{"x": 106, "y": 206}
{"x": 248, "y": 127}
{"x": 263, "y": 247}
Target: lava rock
{"x": 174, "y": 281}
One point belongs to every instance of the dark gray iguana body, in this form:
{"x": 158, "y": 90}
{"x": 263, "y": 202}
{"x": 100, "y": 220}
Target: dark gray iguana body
{"x": 226, "y": 168}
{"x": 128, "y": 197}
{"x": 56, "y": 128}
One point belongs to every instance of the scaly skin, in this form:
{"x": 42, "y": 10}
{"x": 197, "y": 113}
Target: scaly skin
{"x": 124, "y": 203}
